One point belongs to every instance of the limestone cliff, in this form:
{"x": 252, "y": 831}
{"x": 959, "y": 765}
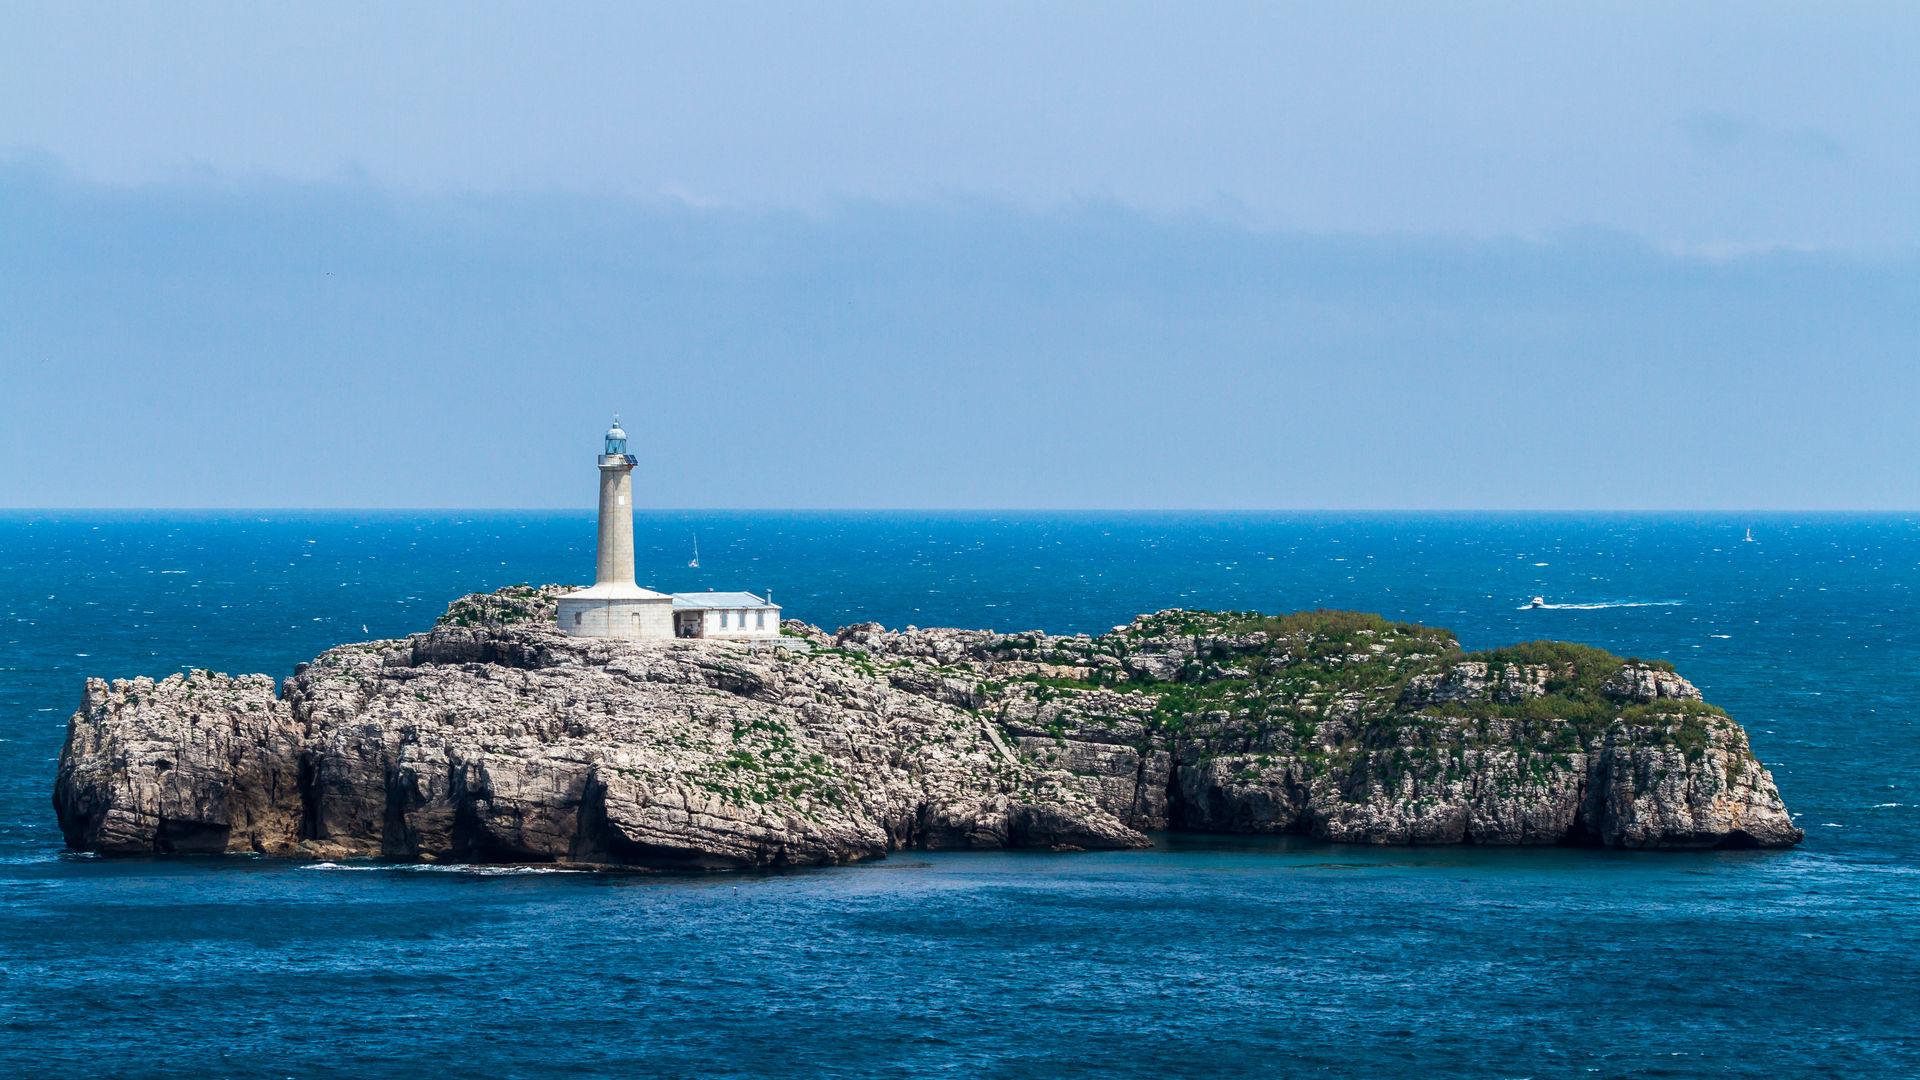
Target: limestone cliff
{"x": 495, "y": 737}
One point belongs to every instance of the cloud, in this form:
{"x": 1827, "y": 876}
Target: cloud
{"x": 932, "y": 354}
{"x": 1713, "y": 132}
{"x": 1721, "y": 134}
{"x": 1815, "y": 144}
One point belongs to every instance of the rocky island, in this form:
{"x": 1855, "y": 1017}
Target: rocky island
{"x": 495, "y": 737}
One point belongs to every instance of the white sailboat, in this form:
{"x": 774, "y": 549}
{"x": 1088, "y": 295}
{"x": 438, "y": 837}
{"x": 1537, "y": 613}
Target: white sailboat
{"x": 695, "y": 562}
{"x": 1750, "y": 538}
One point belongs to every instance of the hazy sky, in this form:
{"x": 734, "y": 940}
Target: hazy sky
{"x": 1271, "y": 255}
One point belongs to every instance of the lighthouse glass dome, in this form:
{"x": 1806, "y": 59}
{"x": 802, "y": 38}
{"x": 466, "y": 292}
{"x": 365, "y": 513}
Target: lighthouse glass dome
{"x": 616, "y": 438}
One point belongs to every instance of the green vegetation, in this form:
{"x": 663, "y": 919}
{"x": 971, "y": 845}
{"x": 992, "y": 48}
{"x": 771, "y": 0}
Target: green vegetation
{"x": 766, "y": 766}
{"x": 1574, "y": 695}
{"x": 1325, "y": 627}
{"x": 515, "y": 604}
{"x": 1353, "y": 688}
{"x": 854, "y": 658}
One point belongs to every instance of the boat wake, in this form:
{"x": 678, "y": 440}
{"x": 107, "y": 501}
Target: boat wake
{"x": 1598, "y": 606}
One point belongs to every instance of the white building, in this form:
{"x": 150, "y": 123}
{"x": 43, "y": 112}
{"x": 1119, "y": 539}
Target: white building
{"x": 615, "y": 607}
{"x": 733, "y": 616}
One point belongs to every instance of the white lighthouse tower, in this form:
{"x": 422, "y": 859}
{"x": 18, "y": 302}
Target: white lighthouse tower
{"x": 615, "y": 607}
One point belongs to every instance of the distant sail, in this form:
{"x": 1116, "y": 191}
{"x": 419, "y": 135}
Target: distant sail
{"x": 695, "y": 563}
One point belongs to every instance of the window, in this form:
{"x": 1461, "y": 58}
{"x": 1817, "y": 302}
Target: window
{"x": 759, "y": 620}
{"x": 723, "y": 620}
{"x": 576, "y": 618}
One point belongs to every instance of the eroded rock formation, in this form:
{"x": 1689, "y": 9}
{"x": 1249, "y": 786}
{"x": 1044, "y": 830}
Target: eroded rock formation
{"x": 493, "y": 737}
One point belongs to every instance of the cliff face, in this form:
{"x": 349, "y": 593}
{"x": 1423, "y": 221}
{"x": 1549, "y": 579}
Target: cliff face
{"x": 494, "y": 737}
{"x": 1352, "y": 729}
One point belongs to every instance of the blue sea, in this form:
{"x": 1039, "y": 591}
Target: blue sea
{"x": 1204, "y": 956}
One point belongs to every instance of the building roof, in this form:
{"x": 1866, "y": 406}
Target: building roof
{"x": 609, "y": 591}
{"x": 684, "y": 601}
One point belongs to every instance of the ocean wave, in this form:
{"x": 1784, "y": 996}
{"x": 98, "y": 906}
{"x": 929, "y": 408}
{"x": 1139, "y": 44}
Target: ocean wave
{"x": 481, "y": 870}
{"x": 37, "y": 858}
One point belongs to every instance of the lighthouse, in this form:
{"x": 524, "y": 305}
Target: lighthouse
{"x": 613, "y": 561}
{"x": 615, "y": 607}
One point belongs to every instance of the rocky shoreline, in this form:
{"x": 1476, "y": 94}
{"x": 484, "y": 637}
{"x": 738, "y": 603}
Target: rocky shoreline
{"x": 495, "y": 738}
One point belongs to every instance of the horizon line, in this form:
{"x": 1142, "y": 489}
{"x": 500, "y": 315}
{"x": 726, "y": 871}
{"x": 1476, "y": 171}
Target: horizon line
{"x": 589, "y": 511}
